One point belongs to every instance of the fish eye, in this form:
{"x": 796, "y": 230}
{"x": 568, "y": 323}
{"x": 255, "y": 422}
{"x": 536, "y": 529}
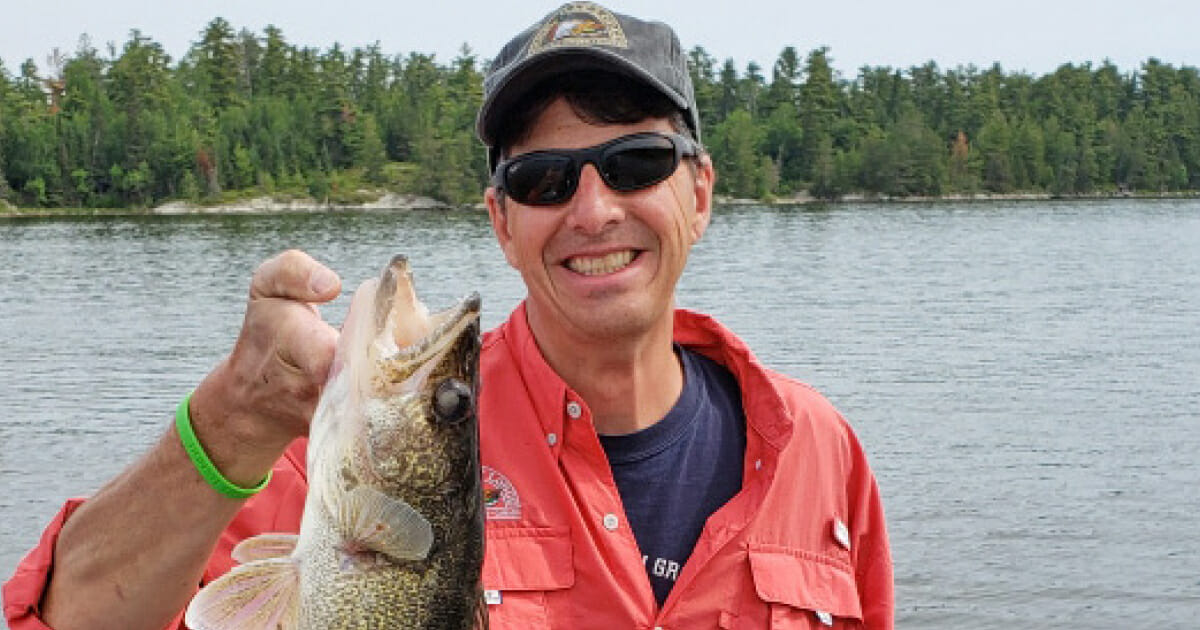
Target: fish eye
{"x": 452, "y": 401}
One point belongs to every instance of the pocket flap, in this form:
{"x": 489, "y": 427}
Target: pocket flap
{"x": 528, "y": 559}
{"x": 805, "y": 580}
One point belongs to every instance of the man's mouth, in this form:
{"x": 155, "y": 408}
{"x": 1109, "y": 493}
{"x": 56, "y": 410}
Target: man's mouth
{"x": 600, "y": 265}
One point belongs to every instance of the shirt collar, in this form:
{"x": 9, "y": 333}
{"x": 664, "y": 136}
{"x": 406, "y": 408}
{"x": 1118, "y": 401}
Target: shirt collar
{"x": 554, "y": 402}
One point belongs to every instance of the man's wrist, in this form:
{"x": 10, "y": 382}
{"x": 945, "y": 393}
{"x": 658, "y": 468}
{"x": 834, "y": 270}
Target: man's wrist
{"x": 242, "y": 446}
{"x": 203, "y": 464}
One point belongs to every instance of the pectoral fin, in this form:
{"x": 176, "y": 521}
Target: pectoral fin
{"x": 261, "y": 595}
{"x": 370, "y": 519}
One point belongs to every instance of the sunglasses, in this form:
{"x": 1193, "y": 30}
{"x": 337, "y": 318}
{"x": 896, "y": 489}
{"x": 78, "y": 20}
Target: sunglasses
{"x": 628, "y": 163}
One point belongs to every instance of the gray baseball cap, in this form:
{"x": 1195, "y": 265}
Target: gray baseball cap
{"x": 586, "y": 36}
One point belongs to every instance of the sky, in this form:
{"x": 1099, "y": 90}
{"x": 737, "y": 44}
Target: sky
{"x": 1021, "y": 35}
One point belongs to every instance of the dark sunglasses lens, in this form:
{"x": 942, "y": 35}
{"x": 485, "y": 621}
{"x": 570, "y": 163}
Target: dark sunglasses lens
{"x": 540, "y": 179}
{"x": 638, "y": 163}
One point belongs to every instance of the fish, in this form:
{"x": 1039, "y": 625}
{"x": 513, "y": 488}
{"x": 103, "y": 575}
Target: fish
{"x": 392, "y": 530}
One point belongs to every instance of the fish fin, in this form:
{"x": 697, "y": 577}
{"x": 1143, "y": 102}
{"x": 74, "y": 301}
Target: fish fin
{"x": 481, "y": 610}
{"x": 262, "y": 595}
{"x": 372, "y": 519}
{"x": 264, "y": 546}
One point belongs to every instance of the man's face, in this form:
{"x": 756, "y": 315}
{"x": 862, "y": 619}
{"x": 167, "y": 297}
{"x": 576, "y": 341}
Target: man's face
{"x": 603, "y": 265}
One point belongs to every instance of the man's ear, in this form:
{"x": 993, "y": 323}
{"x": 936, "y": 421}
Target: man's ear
{"x": 705, "y": 178}
{"x": 498, "y": 214}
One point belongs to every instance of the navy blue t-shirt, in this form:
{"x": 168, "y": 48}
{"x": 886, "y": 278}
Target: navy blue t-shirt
{"x": 674, "y": 474}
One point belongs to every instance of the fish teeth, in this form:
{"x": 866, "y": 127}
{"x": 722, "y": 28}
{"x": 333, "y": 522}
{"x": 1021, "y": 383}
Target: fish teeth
{"x": 599, "y": 265}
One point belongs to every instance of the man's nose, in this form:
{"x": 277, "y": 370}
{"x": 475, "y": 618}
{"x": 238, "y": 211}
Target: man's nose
{"x": 595, "y": 206}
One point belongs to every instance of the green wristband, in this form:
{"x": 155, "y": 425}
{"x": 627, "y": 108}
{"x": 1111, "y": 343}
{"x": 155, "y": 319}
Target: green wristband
{"x": 204, "y": 465}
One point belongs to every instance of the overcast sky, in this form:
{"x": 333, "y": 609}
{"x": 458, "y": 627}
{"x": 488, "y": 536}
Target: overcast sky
{"x": 1022, "y": 35}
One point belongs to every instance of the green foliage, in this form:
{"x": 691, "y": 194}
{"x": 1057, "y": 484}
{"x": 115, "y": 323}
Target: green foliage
{"x": 994, "y": 154}
{"x": 909, "y": 159}
{"x": 218, "y": 62}
{"x": 369, "y": 150}
{"x": 818, "y": 109}
{"x": 826, "y": 183}
{"x": 744, "y": 172}
{"x": 35, "y": 191}
{"x": 319, "y": 186}
{"x": 702, "y": 67}
{"x": 189, "y": 188}
{"x": 5, "y": 190}
{"x": 243, "y": 168}
{"x": 242, "y": 114}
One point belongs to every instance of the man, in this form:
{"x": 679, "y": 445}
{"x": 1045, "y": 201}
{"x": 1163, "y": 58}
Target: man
{"x": 641, "y": 468}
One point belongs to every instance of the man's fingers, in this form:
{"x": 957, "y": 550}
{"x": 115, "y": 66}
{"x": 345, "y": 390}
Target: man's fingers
{"x": 295, "y": 275}
{"x": 308, "y": 346}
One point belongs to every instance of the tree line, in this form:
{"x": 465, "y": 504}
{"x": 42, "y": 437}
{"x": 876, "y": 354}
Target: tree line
{"x": 243, "y": 113}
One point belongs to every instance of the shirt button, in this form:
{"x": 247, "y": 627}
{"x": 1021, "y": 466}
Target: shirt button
{"x": 825, "y": 618}
{"x": 841, "y": 533}
{"x": 552, "y": 438}
{"x": 611, "y": 522}
{"x": 574, "y": 410}
{"x": 758, "y": 464}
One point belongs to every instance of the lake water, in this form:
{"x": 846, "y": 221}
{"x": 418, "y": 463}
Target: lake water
{"x": 1025, "y": 376}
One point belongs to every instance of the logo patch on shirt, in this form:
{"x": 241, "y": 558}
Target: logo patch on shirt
{"x": 500, "y": 499}
{"x": 579, "y": 24}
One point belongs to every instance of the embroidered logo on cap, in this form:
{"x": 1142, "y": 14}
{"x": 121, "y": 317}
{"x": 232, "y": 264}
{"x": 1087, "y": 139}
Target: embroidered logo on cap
{"x": 579, "y": 24}
{"x": 500, "y": 500}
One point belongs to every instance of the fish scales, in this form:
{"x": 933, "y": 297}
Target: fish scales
{"x": 392, "y": 532}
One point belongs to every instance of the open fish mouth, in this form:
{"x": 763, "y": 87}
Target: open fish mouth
{"x": 407, "y": 335}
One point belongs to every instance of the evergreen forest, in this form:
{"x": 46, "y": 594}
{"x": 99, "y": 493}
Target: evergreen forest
{"x": 247, "y": 114}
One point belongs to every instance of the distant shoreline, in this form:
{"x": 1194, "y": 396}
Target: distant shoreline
{"x": 805, "y": 199}
{"x": 258, "y": 205}
{"x": 266, "y": 205}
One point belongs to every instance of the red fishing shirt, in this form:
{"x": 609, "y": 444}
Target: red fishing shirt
{"x": 803, "y": 545}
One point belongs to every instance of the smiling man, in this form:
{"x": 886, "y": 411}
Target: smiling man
{"x": 641, "y": 468}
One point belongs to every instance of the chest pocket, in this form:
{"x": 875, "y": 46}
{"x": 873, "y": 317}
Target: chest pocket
{"x": 796, "y": 590}
{"x": 523, "y": 567}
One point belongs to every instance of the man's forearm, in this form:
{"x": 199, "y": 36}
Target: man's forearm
{"x": 132, "y": 556}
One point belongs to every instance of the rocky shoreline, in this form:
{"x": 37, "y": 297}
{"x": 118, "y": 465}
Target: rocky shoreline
{"x": 256, "y": 205}
{"x": 268, "y": 205}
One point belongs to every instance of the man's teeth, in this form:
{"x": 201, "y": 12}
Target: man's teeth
{"x": 597, "y": 265}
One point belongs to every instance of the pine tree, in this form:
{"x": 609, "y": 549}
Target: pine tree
{"x": 218, "y": 64}
{"x": 818, "y": 107}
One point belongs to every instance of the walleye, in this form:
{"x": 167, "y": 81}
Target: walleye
{"x": 392, "y": 532}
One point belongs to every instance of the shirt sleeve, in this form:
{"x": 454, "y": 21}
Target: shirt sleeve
{"x": 276, "y": 509}
{"x": 23, "y": 591}
{"x": 872, "y": 556}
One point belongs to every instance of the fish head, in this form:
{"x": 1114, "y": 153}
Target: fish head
{"x": 411, "y": 428}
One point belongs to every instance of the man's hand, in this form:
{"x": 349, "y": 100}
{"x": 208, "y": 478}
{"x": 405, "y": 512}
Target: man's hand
{"x": 262, "y": 396}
